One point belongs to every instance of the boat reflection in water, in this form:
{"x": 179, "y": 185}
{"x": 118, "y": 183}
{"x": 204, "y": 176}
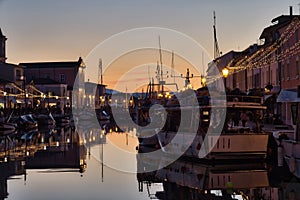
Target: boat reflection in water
{"x": 184, "y": 179}
{"x": 57, "y": 150}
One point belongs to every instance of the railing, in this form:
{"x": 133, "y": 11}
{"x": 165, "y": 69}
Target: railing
{"x": 243, "y": 98}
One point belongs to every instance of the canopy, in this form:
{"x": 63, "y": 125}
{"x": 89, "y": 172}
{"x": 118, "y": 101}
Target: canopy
{"x": 286, "y": 96}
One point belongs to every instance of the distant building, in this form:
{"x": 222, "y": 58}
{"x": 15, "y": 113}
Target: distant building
{"x": 95, "y": 95}
{"x": 61, "y": 72}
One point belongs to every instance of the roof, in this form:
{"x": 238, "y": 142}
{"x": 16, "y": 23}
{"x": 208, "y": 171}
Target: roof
{"x": 280, "y": 21}
{"x": 67, "y": 64}
{"x": 1, "y": 34}
{"x": 10, "y": 65}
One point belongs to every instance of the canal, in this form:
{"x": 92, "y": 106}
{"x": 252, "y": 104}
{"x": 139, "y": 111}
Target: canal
{"x": 63, "y": 163}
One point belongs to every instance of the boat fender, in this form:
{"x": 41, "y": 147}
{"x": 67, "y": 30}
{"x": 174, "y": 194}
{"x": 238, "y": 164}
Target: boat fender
{"x": 280, "y": 156}
{"x": 292, "y": 164}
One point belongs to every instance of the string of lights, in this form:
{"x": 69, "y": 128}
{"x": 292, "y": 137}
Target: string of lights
{"x": 278, "y": 51}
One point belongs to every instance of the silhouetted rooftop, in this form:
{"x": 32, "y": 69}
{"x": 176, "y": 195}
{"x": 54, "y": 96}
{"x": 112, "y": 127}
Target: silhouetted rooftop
{"x": 67, "y": 64}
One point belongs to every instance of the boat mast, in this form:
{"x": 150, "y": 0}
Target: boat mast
{"x": 172, "y": 66}
{"x": 216, "y": 45}
{"x": 100, "y": 75}
{"x": 161, "y": 67}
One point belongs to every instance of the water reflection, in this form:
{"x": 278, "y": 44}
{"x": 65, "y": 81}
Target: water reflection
{"x": 48, "y": 148}
{"x": 190, "y": 179}
{"x": 68, "y": 163}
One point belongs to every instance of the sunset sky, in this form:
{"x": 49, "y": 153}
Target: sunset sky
{"x": 66, "y": 29}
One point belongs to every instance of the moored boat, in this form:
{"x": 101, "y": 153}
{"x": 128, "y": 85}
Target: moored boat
{"x": 211, "y": 139}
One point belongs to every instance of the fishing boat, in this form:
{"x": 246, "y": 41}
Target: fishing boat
{"x": 155, "y": 95}
{"x": 212, "y": 140}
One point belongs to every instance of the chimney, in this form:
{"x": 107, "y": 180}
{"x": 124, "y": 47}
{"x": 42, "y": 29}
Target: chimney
{"x": 291, "y": 10}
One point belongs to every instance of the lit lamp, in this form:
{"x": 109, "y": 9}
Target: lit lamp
{"x": 203, "y": 81}
{"x": 225, "y": 73}
{"x": 268, "y": 88}
{"x": 4, "y": 95}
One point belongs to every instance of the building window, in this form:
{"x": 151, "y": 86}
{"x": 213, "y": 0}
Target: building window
{"x": 62, "y": 78}
{"x": 288, "y": 72}
{"x": 18, "y": 74}
{"x": 297, "y": 67}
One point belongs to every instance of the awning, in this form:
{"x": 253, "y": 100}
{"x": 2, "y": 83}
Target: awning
{"x": 286, "y": 96}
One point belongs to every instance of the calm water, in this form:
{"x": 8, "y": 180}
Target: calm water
{"x": 75, "y": 171}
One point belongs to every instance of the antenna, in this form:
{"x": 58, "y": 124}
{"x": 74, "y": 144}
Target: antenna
{"x": 216, "y": 45}
{"x": 100, "y": 76}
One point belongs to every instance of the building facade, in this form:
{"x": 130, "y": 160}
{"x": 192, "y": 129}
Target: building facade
{"x": 61, "y": 77}
{"x": 271, "y": 65}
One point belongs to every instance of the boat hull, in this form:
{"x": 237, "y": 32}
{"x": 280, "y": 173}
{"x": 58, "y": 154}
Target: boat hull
{"x": 223, "y": 147}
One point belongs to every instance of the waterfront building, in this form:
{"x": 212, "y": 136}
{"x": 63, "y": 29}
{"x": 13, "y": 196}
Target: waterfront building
{"x": 271, "y": 66}
{"x": 56, "y": 79}
{"x": 11, "y": 78}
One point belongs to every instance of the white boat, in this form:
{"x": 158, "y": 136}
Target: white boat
{"x": 288, "y": 150}
{"x": 231, "y": 142}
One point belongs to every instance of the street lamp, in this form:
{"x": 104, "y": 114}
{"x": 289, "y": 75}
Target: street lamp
{"x": 225, "y": 73}
{"x": 203, "y": 81}
{"x": 23, "y": 79}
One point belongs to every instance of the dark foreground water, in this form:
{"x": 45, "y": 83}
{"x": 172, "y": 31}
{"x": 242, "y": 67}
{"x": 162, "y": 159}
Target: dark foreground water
{"x": 56, "y": 165}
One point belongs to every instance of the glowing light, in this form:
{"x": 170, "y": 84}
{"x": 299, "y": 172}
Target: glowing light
{"x": 225, "y": 72}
